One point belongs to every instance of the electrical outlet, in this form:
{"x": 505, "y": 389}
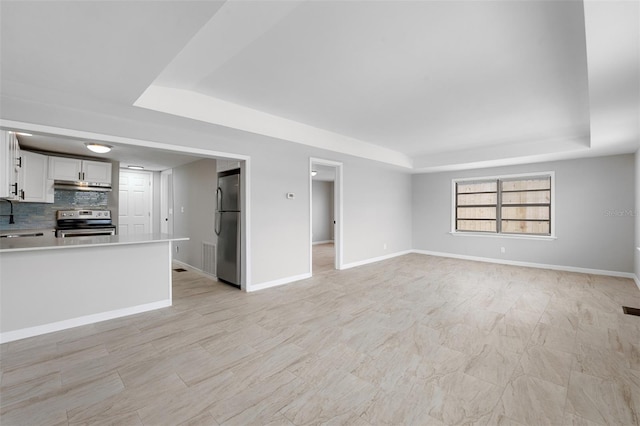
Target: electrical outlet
{"x": 384, "y": 246}
{"x": 503, "y": 250}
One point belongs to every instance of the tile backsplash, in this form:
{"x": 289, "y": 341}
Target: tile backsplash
{"x": 43, "y": 215}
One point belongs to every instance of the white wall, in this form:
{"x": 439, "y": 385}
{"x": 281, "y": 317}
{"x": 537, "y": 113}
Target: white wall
{"x": 594, "y": 227}
{"x": 194, "y": 206}
{"x": 377, "y": 197}
{"x": 322, "y": 216}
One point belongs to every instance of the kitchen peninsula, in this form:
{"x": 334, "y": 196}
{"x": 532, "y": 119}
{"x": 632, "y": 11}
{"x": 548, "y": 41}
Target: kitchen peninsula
{"x": 49, "y": 284}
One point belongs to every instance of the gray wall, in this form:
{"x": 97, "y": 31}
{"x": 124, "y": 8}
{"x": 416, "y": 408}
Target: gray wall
{"x": 377, "y": 197}
{"x": 593, "y": 226}
{"x": 322, "y": 217}
{"x": 377, "y": 211}
{"x": 194, "y": 189}
{"x": 637, "y": 216}
{"x": 378, "y": 206}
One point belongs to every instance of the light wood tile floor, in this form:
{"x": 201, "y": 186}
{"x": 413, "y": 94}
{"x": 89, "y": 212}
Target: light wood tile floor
{"x": 323, "y": 258}
{"x": 412, "y": 340}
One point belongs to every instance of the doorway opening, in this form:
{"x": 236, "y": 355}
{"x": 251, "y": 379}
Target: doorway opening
{"x": 194, "y": 203}
{"x": 325, "y": 227}
{"x": 139, "y": 148}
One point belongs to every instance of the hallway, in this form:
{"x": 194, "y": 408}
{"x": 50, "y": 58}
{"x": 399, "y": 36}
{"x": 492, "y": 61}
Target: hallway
{"x": 323, "y": 258}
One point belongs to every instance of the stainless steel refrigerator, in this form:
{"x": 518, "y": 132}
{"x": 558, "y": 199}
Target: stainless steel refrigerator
{"x": 227, "y": 227}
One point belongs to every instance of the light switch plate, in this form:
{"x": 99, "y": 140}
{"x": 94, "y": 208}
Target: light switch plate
{"x": 291, "y": 195}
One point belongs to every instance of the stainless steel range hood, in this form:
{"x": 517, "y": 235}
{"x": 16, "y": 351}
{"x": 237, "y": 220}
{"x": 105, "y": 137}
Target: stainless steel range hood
{"x": 70, "y": 185}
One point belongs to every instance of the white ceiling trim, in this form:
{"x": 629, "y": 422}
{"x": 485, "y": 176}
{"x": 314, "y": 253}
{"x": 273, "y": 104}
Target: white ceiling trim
{"x": 496, "y": 155}
{"x": 510, "y": 161}
{"x": 189, "y": 104}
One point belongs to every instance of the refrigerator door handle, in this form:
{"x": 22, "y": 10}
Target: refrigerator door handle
{"x": 219, "y": 199}
{"x": 216, "y": 224}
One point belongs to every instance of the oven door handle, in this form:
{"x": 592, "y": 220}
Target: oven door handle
{"x": 66, "y": 233}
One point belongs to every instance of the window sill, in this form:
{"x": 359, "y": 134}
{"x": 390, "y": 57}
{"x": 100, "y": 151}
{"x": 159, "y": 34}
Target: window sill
{"x": 512, "y": 236}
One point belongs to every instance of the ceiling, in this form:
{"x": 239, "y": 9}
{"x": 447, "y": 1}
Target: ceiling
{"x": 425, "y": 85}
{"x": 127, "y": 155}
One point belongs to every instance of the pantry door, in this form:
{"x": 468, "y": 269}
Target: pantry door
{"x": 135, "y": 202}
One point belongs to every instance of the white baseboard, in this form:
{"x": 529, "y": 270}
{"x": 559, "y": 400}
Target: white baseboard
{"x": 278, "y": 282}
{"x": 288, "y": 280}
{"x": 322, "y": 242}
{"x": 10, "y": 336}
{"x": 530, "y": 264}
{"x": 194, "y": 269}
{"x": 375, "y": 259}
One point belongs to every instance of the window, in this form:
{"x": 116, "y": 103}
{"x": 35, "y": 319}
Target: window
{"x": 504, "y": 205}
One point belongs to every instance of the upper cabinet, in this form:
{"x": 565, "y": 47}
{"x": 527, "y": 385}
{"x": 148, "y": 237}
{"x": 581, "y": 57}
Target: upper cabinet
{"x": 61, "y": 168}
{"x": 23, "y": 174}
{"x": 29, "y": 176}
{"x": 96, "y": 171}
{"x": 71, "y": 169}
{"x": 10, "y": 165}
{"x": 34, "y": 184}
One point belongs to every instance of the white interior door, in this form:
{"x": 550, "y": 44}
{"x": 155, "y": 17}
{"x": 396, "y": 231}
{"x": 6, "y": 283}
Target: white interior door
{"x": 135, "y": 203}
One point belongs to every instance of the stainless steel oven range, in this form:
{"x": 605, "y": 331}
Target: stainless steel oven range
{"x": 82, "y": 223}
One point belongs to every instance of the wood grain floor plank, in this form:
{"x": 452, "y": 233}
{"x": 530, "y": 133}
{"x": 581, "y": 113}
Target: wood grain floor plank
{"x": 410, "y": 340}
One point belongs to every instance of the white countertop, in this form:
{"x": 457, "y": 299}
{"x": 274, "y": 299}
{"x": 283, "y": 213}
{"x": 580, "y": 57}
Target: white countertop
{"x": 49, "y": 242}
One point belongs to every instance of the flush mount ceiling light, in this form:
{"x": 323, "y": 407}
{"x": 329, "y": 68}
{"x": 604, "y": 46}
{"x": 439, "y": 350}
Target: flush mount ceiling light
{"x": 135, "y": 167}
{"x": 98, "y": 147}
{"x": 22, "y": 133}
{"x": 313, "y": 173}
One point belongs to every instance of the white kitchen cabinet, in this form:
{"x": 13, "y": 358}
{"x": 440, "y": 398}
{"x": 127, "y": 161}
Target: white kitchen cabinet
{"x": 72, "y": 169}
{"x": 34, "y": 183}
{"x": 62, "y": 168}
{"x": 96, "y": 171}
{"x": 10, "y": 164}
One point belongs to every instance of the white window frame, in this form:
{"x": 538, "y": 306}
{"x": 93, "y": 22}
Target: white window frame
{"x": 552, "y": 218}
